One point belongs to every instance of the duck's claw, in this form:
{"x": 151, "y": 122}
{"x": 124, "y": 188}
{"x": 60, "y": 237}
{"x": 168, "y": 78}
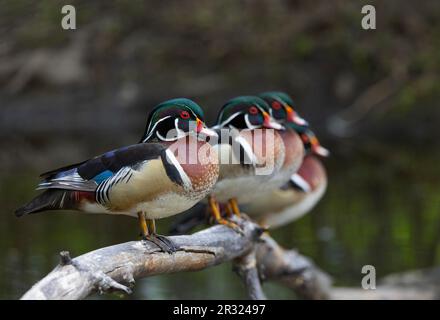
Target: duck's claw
{"x": 215, "y": 211}
{"x": 231, "y": 225}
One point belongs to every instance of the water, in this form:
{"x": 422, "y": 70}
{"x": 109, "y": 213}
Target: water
{"x": 381, "y": 208}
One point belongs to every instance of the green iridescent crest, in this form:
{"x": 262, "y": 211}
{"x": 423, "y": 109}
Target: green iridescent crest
{"x": 165, "y": 115}
{"x": 277, "y": 96}
{"x": 243, "y": 112}
{"x": 282, "y": 107}
{"x": 173, "y": 107}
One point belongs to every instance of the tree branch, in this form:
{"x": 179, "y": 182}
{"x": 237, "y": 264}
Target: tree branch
{"x": 246, "y": 267}
{"x": 292, "y": 269}
{"x": 116, "y": 267}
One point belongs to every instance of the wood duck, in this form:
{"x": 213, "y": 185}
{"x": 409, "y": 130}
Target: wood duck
{"x": 300, "y": 191}
{"x": 300, "y": 195}
{"x": 281, "y": 109}
{"x": 242, "y": 151}
{"x": 148, "y": 180}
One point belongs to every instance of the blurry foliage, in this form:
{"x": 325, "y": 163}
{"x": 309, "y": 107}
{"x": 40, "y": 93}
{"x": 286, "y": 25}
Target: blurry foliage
{"x": 152, "y": 42}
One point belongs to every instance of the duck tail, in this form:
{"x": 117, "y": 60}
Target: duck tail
{"x": 51, "y": 199}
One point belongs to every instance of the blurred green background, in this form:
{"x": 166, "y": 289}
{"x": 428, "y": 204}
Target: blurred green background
{"x": 371, "y": 96}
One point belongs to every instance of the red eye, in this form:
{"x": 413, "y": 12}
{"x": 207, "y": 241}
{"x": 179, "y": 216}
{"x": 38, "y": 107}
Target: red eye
{"x": 276, "y": 105}
{"x": 184, "y": 115}
{"x": 305, "y": 138}
{"x": 253, "y": 110}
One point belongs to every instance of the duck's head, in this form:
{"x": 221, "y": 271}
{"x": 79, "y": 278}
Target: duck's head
{"x": 312, "y": 144}
{"x": 246, "y": 112}
{"x": 282, "y": 109}
{"x": 174, "y": 119}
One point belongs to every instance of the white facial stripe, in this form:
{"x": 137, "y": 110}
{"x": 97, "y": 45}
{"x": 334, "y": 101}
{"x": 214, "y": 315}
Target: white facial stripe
{"x": 164, "y": 138}
{"x": 194, "y": 114}
{"x": 186, "y": 180}
{"x": 248, "y": 123}
{"x": 219, "y": 117}
{"x": 232, "y": 117}
{"x": 154, "y": 127}
{"x": 260, "y": 108}
{"x": 180, "y": 133}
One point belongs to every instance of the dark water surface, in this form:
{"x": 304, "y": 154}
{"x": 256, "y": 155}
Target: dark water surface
{"x": 381, "y": 208}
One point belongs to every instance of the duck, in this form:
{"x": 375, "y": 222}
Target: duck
{"x": 282, "y": 111}
{"x": 301, "y": 180}
{"x": 149, "y": 180}
{"x": 299, "y": 195}
{"x": 249, "y": 154}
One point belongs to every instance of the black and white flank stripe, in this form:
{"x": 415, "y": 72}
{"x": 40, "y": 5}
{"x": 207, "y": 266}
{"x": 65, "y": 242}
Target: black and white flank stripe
{"x": 102, "y": 191}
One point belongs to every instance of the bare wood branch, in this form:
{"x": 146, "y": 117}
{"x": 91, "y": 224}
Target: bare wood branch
{"x": 292, "y": 270}
{"x": 246, "y": 267}
{"x": 116, "y": 267}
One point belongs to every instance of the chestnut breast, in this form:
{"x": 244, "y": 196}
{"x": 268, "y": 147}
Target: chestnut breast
{"x": 267, "y": 146}
{"x": 294, "y": 150}
{"x": 312, "y": 171}
{"x": 199, "y": 161}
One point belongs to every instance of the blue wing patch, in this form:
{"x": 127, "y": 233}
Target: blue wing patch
{"x": 102, "y": 176}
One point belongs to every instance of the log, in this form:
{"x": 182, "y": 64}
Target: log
{"x": 292, "y": 270}
{"x": 246, "y": 267}
{"x": 117, "y": 267}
